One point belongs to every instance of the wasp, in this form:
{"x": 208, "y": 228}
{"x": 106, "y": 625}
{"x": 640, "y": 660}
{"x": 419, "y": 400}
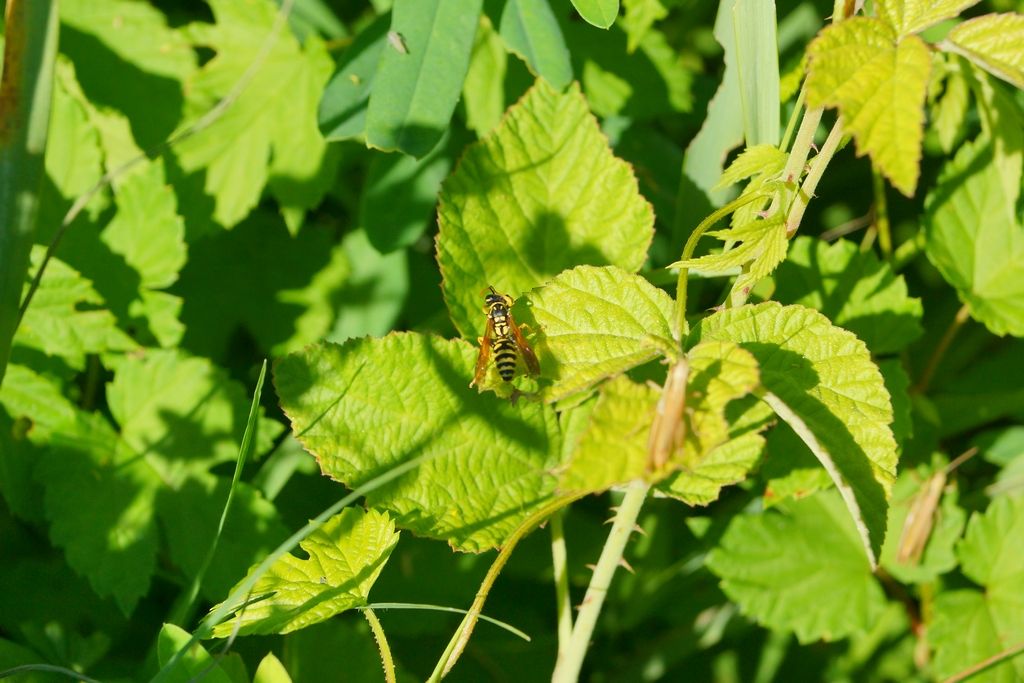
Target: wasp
{"x": 504, "y": 335}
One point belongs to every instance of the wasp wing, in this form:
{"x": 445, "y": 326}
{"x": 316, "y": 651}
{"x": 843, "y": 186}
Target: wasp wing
{"x": 532, "y": 365}
{"x": 485, "y": 353}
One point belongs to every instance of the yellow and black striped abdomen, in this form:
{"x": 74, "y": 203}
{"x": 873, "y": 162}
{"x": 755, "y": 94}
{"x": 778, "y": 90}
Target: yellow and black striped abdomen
{"x": 505, "y": 356}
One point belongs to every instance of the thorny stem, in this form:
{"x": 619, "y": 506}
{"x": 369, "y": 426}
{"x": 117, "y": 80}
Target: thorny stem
{"x": 560, "y": 565}
{"x": 570, "y": 661}
{"x": 668, "y": 429}
{"x": 814, "y": 174}
{"x": 382, "y": 645}
{"x": 940, "y": 350}
{"x": 461, "y": 636}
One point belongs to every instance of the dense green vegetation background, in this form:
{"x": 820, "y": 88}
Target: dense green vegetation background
{"x": 239, "y": 180}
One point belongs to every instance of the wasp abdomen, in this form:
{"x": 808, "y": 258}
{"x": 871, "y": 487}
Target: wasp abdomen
{"x": 505, "y": 357}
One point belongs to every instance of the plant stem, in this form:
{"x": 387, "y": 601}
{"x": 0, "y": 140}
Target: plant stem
{"x": 461, "y": 636}
{"x": 559, "y": 562}
{"x": 382, "y": 645}
{"x": 691, "y": 246}
{"x": 940, "y": 350}
{"x": 814, "y": 173}
{"x": 1008, "y": 653}
{"x": 881, "y": 215}
{"x": 570, "y": 661}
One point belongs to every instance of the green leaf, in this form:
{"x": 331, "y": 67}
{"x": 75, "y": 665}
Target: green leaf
{"x": 878, "y": 80}
{"x": 721, "y": 131}
{"x": 542, "y": 193}
{"x": 853, "y": 288}
{"x": 1005, "y": 449}
{"x": 128, "y": 58}
{"x": 790, "y": 470}
{"x": 271, "y": 670}
{"x": 914, "y": 16}
{"x": 531, "y": 31}
{"x": 987, "y": 390}
{"x": 269, "y": 133}
{"x": 949, "y": 111}
{"x": 765, "y": 160}
{"x": 182, "y": 412}
{"x": 823, "y": 380}
{"x": 726, "y": 464}
{"x": 762, "y": 247}
{"x": 654, "y": 81}
{"x": 976, "y": 241}
{"x": 967, "y": 628}
{"x": 196, "y": 662}
{"x": 372, "y": 404}
{"x": 106, "y": 528}
{"x": 948, "y": 523}
{"x": 147, "y": 230}
{"x": 397, "y": 203}
{"x": 594, "y": 323}
{"x": 600, "y": 13}
{"x": 483, "y": 91}
{"x": 757, "y": 59}
{"x": 640, "y": 16}
{"x": 342, "y": 112}
{"x": 65, "y": 317}
{"x": 801, "y": 570}
{"x": 346, "y": 555}
{"x": 191, "y": 514}
{"x": 614, "y": 448}
{"x": 374, "y": 293}
{"x": 970, "y": 626}
{"x": 293, "y": 302}
{"x": 415, "y": 91}
{"x": 992, "y": 42}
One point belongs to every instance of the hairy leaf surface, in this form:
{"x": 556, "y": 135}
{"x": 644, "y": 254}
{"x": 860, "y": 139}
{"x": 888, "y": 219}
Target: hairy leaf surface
{"x": 594, "y": 323}
{"x": 877, "y": 79}
{"x": 369, "y": 405}
{"x": 829, "y": 389}
{"x": 853, "y": 288}
{"x": 540, "y": 194}
{"x": 346, "y": 555}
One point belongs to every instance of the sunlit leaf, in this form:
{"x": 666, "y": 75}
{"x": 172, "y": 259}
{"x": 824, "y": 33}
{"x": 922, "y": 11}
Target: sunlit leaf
{"x": 913, "y": 16}
{"x": 345, "y": 557}
{"x": 827, "y": 388}
{"x": 594, "y": 323}
{"x": 373, "y": 404}
{"x": 540, "y": 194}
{"x": 992, "y": 42}
{"x": 877, "y": 79}
{"x": 269, "y": 134}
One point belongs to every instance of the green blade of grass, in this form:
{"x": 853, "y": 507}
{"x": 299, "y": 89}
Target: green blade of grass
{"x": 181, "y": 612}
